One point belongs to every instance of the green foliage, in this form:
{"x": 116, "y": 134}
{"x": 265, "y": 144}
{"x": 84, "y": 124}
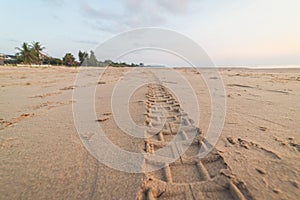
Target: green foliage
{"x": 82, "y": 56}
{"x": 123, "y": 64}
{"x": 13, "y": 62}
{"x": 69, "y": 60}
{"x": 92, "y": 59}
{"x": 27, "y": 54}
{"x": 30, "y": 53}
{"x": 52, "y": 61}
{"x": 37, "y": 49}
{"x": 33, "y": 54}
{"x": 89, "y": 60}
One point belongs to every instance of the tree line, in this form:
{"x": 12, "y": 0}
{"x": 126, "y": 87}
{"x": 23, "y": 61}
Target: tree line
{"x": 33, "y": 54}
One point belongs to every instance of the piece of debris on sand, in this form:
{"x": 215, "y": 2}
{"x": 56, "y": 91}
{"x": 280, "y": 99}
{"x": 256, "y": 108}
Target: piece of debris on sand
{"x": 101, "y": 82}
{"x": 232, "y": 140}
{"x": 102, "y": 119}
{"x": 107, "y": 114}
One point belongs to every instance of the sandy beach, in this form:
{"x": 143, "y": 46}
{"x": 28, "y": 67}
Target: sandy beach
{"x": 257, "y": 155}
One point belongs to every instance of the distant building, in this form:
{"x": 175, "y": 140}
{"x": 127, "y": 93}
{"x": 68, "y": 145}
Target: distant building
{"x": 2, "y": 59}
{"x": 7, "y": 59}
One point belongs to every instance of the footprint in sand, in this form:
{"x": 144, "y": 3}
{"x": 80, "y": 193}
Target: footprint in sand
{"x": 251, "y": 145}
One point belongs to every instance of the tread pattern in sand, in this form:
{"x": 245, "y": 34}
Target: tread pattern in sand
{"x": 189, "y": 177}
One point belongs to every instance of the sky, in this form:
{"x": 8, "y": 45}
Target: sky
{"x": 232, "y": 32}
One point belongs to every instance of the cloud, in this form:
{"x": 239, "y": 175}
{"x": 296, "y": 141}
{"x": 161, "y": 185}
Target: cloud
{"x": 14, "y": 40}
{"x": 175, "y": 6}
{"x": 170, "y": 6}
{"x": 85, "y": 42}
{"x": 111, "y": 27}
{"x": 133, "y": 14}
{"x": 88, "y": 10}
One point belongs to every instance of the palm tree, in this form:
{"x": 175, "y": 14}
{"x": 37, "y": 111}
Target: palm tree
{"x": 83, "y": 56}
{"x": 69, "y": 60}
{"x": 38, "y": 48}
{"x": 26, "y": 54}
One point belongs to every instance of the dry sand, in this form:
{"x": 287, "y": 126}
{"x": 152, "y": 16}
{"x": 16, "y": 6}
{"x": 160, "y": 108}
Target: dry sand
{"x": 42, "y": 157}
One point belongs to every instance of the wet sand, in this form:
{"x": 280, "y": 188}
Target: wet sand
{"x": 42, "y": 155}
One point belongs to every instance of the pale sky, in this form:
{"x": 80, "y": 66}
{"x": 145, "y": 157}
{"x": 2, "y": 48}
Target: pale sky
{"x": 233, "y": 32}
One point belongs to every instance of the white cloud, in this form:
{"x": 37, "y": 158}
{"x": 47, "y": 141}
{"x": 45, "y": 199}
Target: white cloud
{"x": 175, "y": 6}
{"x": 134, "y": 13}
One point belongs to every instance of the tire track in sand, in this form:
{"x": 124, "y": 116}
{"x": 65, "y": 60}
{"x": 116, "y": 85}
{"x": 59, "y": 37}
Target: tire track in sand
{"x": 189, "y": 177}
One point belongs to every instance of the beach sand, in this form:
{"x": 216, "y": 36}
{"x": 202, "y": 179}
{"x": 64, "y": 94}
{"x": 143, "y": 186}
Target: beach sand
{"x": 257, "y": 155}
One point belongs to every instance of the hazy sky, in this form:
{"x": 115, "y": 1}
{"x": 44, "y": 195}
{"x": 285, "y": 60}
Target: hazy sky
{"x": 233, "y": 32}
